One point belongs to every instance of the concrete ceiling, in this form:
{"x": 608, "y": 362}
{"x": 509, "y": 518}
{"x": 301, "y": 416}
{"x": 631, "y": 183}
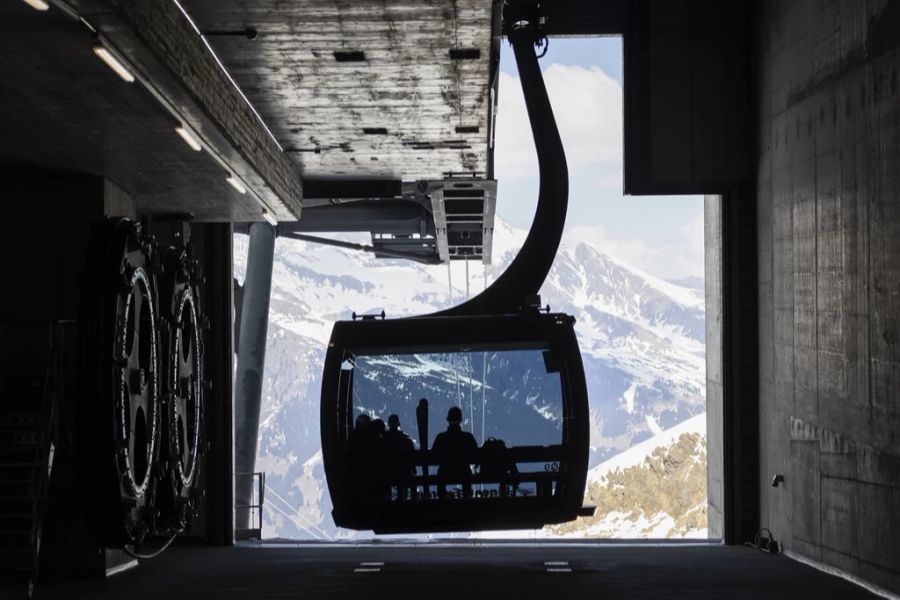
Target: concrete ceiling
{"x": 65, "y": 112}
{"x": 404, "y": 108}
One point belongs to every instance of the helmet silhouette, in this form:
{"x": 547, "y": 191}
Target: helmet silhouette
{"x": 454, "y": 415}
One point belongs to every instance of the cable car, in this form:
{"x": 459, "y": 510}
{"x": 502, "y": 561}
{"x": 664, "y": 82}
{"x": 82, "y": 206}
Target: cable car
{"x": 474, "y": 418}
{"x": 521, "y": 455}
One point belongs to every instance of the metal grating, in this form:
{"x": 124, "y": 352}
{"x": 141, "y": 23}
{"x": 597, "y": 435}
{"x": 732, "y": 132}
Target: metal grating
{"x": 463, "y": 212}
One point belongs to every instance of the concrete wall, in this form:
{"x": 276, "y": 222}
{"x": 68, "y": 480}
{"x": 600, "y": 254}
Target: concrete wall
{"x": 829, "y": 280}
{"x": 687, "y": 96}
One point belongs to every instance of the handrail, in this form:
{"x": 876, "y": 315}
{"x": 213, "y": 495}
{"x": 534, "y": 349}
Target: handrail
{"x": 260, "y": 476}
{"x": 53, "y": 379}
{"x": 555, "y": 453}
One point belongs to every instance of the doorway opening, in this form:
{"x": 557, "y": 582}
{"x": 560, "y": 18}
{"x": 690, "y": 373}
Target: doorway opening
{"x": 631, "y": 269}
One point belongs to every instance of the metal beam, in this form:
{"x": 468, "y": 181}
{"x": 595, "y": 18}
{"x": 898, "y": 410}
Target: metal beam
{"x": 374, "y": 216}
{"x": 428, "y": 255}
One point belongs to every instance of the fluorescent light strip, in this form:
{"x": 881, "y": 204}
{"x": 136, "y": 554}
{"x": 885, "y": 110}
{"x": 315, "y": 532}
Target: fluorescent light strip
{"x": 37, "y": 4}
{"x": 188, "y": 138}
{"x": 117, "y": 65}
{"x": 270, "y": 218}
{"x": 236, "y": 184}
{"x": 113, "y": 63}
{"x": 227, "y": 74}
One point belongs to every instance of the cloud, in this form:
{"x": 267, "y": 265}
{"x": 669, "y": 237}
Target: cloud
{"x": 587, "y": 105}
{"x": 588, "y": 108}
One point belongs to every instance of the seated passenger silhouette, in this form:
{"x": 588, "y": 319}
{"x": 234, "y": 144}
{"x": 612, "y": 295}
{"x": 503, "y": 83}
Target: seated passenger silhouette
{"x": 361, "y": 438}
{"x": 366, "y": 446}
{"x": 399, "y": 456}
{"x": 497, "y": 465}
{"x": 452, "y": 446}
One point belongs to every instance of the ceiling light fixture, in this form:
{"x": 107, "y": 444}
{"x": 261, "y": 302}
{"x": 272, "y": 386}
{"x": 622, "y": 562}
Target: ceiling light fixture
{"x": 37, "y": 4}
{"x": 236, "y": 184}
{"x": 188, "y": 138}
{"x": 269, "y": 217}
{"x": 104, "y": 54}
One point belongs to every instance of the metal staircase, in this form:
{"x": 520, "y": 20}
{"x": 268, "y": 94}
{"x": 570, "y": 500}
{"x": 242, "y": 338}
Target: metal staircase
{"x": 27, "y": 432}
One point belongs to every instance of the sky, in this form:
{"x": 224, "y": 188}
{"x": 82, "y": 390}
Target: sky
{"x": 662, "y": 235}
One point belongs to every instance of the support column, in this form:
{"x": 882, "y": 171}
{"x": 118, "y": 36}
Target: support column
{"x": 212, "y": 243}
{"x": 251, "y": 363}
{"x": 715, "y": 379}
{"x": 740, "y": 360}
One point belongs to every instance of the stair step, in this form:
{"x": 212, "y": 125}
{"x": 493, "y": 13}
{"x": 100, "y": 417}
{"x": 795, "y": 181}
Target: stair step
{"x": 17, "y": 522}
{"x": 12, "y": 491}
{"x": 20, "y": 420}
{"x": 15, "y": 556}
{"x": 16, "y": 505}
{"x": 19, "y": 482}
{"x": 15, "y": 576}
{"x": 20, "y": 453}
{"x": 15, "y": 539}
{"x": 22, "y": 475}
{"x": 10, "y": 467}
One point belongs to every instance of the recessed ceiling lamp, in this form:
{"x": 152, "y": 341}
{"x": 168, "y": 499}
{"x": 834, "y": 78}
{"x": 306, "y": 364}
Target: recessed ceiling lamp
{"x": 236, "y": 184}
{"x": 37, "y": 4}
{"x": 269, "y": 217}
{"x": 188, "y": 138}
{"x": 104, "y": 54}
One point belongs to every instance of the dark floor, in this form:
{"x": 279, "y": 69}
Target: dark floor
{"x": 464, "y": 573}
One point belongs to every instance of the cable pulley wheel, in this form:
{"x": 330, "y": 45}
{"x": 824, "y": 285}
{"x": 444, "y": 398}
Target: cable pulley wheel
{"x": 137, "y": 366}
{"x": 185, "y": 405}
{"x": 182, "y": 333}
{"x": 119, "y": 421}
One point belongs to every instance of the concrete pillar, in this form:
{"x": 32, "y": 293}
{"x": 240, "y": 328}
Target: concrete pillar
{"x": 251, "y": 363}
{"x": 715, "y": 381}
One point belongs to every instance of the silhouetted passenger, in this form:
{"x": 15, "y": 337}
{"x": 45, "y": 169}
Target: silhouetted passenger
{"x": 453, "y": 445}
{"x": 399, "y": 456}
{"x": 360, "y": 436}
{"x": 497, "y": 465}
{"x": 366, "y": 458}
{"x": 378, "y": 475}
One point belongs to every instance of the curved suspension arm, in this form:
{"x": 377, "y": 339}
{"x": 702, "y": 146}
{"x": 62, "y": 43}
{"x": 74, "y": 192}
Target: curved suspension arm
{"x": 528, "y": 270}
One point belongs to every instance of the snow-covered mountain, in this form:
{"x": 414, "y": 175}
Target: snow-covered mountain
{"x": 642, "y": 343}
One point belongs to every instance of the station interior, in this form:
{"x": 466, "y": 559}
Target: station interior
{"x": 140, "y": 139}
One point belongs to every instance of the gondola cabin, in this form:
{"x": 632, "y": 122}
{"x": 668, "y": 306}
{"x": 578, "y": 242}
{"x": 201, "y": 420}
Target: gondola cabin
{"x": 455, "y": 423}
